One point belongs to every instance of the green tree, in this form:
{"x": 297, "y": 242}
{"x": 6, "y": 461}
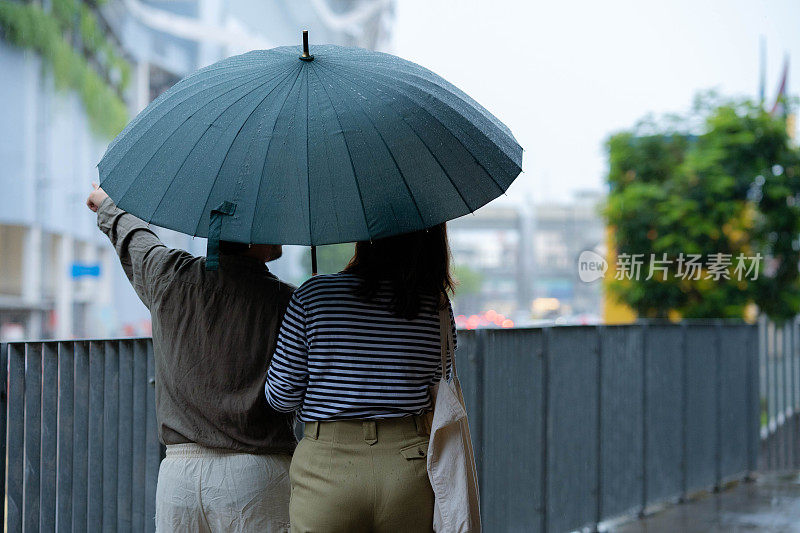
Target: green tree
{"x": 330, "y": 258}
{"x": 724, "y": 179}
{"x": 469, "y": 281}
{"x": 70, "y": 40}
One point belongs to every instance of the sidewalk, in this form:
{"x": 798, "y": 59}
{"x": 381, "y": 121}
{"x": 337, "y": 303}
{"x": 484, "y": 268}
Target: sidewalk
{"x": 770, "y": 504}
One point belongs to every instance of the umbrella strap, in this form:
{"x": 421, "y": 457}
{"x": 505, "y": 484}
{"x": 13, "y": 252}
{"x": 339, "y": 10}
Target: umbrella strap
{"x": 214, "y": 232}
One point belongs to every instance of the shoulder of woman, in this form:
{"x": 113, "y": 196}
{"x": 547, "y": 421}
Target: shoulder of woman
{"x": 321, "y": 280}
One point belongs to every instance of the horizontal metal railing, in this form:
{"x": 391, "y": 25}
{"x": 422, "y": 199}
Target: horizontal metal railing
{"x": 571, "y": 425}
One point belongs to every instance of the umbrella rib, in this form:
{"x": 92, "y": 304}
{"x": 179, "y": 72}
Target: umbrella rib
{"x": 404, "y": 93}
{"x": 394, "y": 160}
{"x": 266, "y": 152}
{"x": 327, "y": 160}
{"x": 181, "y": 124}
{"x": 228, "y": 150}
{"x": 155, "y": 105}
{"x": 231, "y": 63}
{"x": 349, "y": 154}
{"x": 308, "y": 171}
{"x": 385, "y": 85}
{"x": 435, "y": 158}
{"x": 418, "y": 71}
{"x": 189, "y": 153}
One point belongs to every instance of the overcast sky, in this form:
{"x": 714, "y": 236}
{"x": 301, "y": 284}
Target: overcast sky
{"x": 563, "y": 75}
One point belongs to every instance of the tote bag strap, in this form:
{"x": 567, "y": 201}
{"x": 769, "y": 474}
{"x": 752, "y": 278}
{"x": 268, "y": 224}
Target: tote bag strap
{"x": 446, "y": 337}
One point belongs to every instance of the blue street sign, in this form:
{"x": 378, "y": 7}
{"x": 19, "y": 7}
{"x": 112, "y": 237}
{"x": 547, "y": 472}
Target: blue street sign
{"x": 82, "y": 270}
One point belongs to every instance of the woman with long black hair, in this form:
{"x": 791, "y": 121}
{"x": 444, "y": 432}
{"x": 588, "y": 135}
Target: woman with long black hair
{"x": 356, "y": 356}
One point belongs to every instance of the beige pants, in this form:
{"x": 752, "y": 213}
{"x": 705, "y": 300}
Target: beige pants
{"x": 204, "y": 490}
{"x": 362, "y": 476}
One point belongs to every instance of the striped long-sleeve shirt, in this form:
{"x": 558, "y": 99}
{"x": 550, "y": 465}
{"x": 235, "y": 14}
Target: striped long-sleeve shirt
{"x": 339, "y": 356}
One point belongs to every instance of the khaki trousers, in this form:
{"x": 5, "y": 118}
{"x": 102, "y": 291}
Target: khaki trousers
{"x": 362, "y": 476}
{"x": 205, "y": 490}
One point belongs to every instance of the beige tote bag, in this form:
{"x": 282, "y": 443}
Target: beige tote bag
{"x": 451, "y": 461}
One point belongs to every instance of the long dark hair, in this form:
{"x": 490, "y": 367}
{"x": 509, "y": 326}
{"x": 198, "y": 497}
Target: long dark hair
{"x": 414, "y": 264}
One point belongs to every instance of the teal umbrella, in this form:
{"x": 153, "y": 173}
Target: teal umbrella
{"x": 283, "y": 147}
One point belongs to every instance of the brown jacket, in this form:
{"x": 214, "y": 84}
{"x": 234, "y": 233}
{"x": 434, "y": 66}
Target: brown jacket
{"x": 213, "y": 336}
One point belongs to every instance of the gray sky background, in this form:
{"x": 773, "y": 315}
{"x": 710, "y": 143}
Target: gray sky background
{"x": 563, "y": 75}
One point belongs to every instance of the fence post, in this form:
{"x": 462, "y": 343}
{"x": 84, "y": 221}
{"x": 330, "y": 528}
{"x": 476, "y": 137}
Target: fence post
{"x": 545, "y": 355}
{"x": 476, "y": 360}
{"x": 795, "y": 415}
{"x": 3, "y": 406}
{"x": 80, "y": 437}
{"x": 49, "y": 448}
{"x": 763, "y": 370}
{"x": 684, "y": 413}
{"x": 787, "y": 434}
{"x": 139, "y": 433}
{"x": 66, "y": 428}
{"x": 718, "y": 405}
{"x": 753, "y": 400}
{"x": 598, "y": 350}
{"x": 643, "y": 510}
{"x": 33, "y": 437}
{"x": 111, "y": 442}
{"x": 15, "y": 436}
{"x": 95, "y": 492}
{"x": 153, "y": 450}
{"x": 775, "y": 452}
{"x": 791, "y": 424}
{"x": 125, "y": 438}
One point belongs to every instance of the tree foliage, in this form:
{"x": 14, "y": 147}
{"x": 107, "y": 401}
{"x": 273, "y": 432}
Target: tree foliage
{"x": 331, "y": 258}
{"x": 468, "y": 280}
{"x": 70, "y": 40}
{"x": 723, "y": 179}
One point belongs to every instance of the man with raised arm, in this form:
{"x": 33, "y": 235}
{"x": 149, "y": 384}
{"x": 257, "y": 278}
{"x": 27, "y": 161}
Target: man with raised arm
{"x": 228, "y": 452}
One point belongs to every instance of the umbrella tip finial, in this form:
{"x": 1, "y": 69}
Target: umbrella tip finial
{"x": 305, "y": 56}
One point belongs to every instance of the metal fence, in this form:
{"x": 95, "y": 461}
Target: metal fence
{"x": 779, "y": 364}
{"x": 81, "y": 446}
{"x": 571, "y": 425}
{"x": 576, "y": 425}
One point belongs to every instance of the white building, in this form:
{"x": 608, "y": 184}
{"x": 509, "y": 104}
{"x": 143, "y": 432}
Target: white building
{"x": 59, "y": 277}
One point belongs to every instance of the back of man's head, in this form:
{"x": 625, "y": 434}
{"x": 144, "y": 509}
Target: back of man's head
{"x": 264, "y": 252}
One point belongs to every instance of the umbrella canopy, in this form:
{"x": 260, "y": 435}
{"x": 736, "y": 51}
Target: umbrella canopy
{"x": 341, "y": 146}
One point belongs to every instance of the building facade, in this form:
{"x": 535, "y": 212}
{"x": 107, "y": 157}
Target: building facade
{"x": 524, "y": 256}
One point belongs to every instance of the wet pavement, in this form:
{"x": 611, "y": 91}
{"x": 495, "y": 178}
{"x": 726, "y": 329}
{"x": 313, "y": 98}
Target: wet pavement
{"x": 771, "y": 503}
